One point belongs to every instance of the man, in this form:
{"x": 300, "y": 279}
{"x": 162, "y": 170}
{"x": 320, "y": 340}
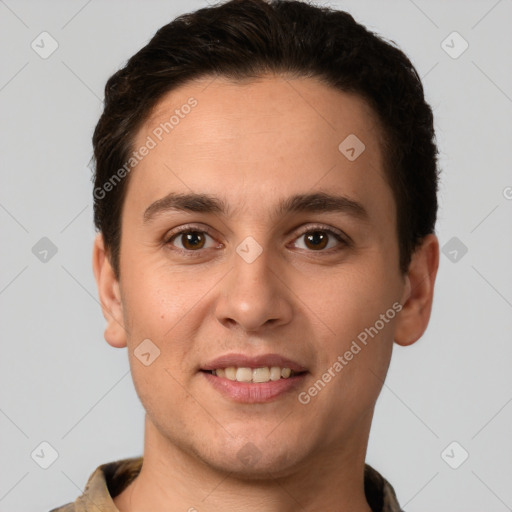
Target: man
{"x": 265, "y": 198}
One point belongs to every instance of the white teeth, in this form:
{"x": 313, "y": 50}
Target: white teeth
{"x": 230, "y": 373}
{"x": 285, "y": 373}
{"x": 243, "y": 374}
{"x": 261, "y": 375}
{"x": 275, "y": 373}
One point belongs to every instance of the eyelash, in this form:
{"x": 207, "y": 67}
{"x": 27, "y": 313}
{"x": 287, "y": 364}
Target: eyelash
{"x": 344, "y": 240}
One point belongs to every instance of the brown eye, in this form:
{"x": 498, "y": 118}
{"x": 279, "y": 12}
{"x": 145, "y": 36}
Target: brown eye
{"x": 319, "y": 239}
{"x": 191, "y": 240}
{"x": 316, "y": 240}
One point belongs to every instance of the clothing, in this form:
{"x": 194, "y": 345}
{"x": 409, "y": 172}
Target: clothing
{"x": 110, "y": 479}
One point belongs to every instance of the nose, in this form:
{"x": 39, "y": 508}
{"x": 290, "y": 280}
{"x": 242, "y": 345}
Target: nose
{"x": 254, "y": 295}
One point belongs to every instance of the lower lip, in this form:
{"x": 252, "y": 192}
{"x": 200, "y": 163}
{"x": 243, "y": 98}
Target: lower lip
{"x": 253, "y": 393}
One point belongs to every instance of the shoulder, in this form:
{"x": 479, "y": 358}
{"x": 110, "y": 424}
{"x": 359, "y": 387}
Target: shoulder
{"x": 106, "y": 481}
{"x": 380, "y": 494}
{"x": 69, "y": 507}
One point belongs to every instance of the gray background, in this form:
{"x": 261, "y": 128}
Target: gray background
{"x": 62, "y": 384}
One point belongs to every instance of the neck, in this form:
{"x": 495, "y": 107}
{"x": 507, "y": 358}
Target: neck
{"x": 173, "y": 480}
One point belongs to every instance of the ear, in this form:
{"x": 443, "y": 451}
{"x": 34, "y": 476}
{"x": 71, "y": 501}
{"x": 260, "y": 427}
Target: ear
{"x": 109, "y": 294}
{"x": 418, "y": 294}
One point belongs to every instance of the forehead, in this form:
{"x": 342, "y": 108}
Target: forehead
{"x": 263, "y": 105}
{"x": 271, "y": 136}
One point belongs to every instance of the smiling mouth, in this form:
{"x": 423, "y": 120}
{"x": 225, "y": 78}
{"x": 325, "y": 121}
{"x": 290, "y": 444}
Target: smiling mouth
{"x": 254, "y": 375}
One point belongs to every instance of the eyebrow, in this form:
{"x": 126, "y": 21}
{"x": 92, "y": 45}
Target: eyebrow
{"x": 317, "y": 202}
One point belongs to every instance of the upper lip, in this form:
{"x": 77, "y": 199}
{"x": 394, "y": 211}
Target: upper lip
{"x": 245, "y": 361}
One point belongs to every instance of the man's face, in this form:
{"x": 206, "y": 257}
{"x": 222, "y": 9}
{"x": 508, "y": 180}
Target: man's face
{"x": 276, "y": 276}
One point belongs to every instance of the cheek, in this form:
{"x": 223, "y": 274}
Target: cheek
{"x": 352, "y": 299}
{"x": 156, "y": 300}
{"x": 355, "y": 335}
{"x": 160, "y": 308}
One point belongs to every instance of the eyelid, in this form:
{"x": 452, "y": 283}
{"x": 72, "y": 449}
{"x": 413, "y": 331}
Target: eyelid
{"x": 338, "y": 234}
{"x": 328, "y": 229}
{"x": 186, "y": 228}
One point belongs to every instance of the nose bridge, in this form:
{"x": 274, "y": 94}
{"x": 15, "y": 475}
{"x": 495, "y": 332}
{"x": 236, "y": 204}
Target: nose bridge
{"x": 253, "y": 295}
{"x": 252, "y": 266}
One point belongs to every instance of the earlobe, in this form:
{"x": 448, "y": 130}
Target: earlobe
{"x": 109, "y": 295}
{"x": 418, "y": 292}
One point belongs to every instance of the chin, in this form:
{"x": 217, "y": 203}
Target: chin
{"x": 258, "y": 460}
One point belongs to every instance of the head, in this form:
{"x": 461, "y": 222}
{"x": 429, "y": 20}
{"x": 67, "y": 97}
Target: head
{"x": 265, "y": 183}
